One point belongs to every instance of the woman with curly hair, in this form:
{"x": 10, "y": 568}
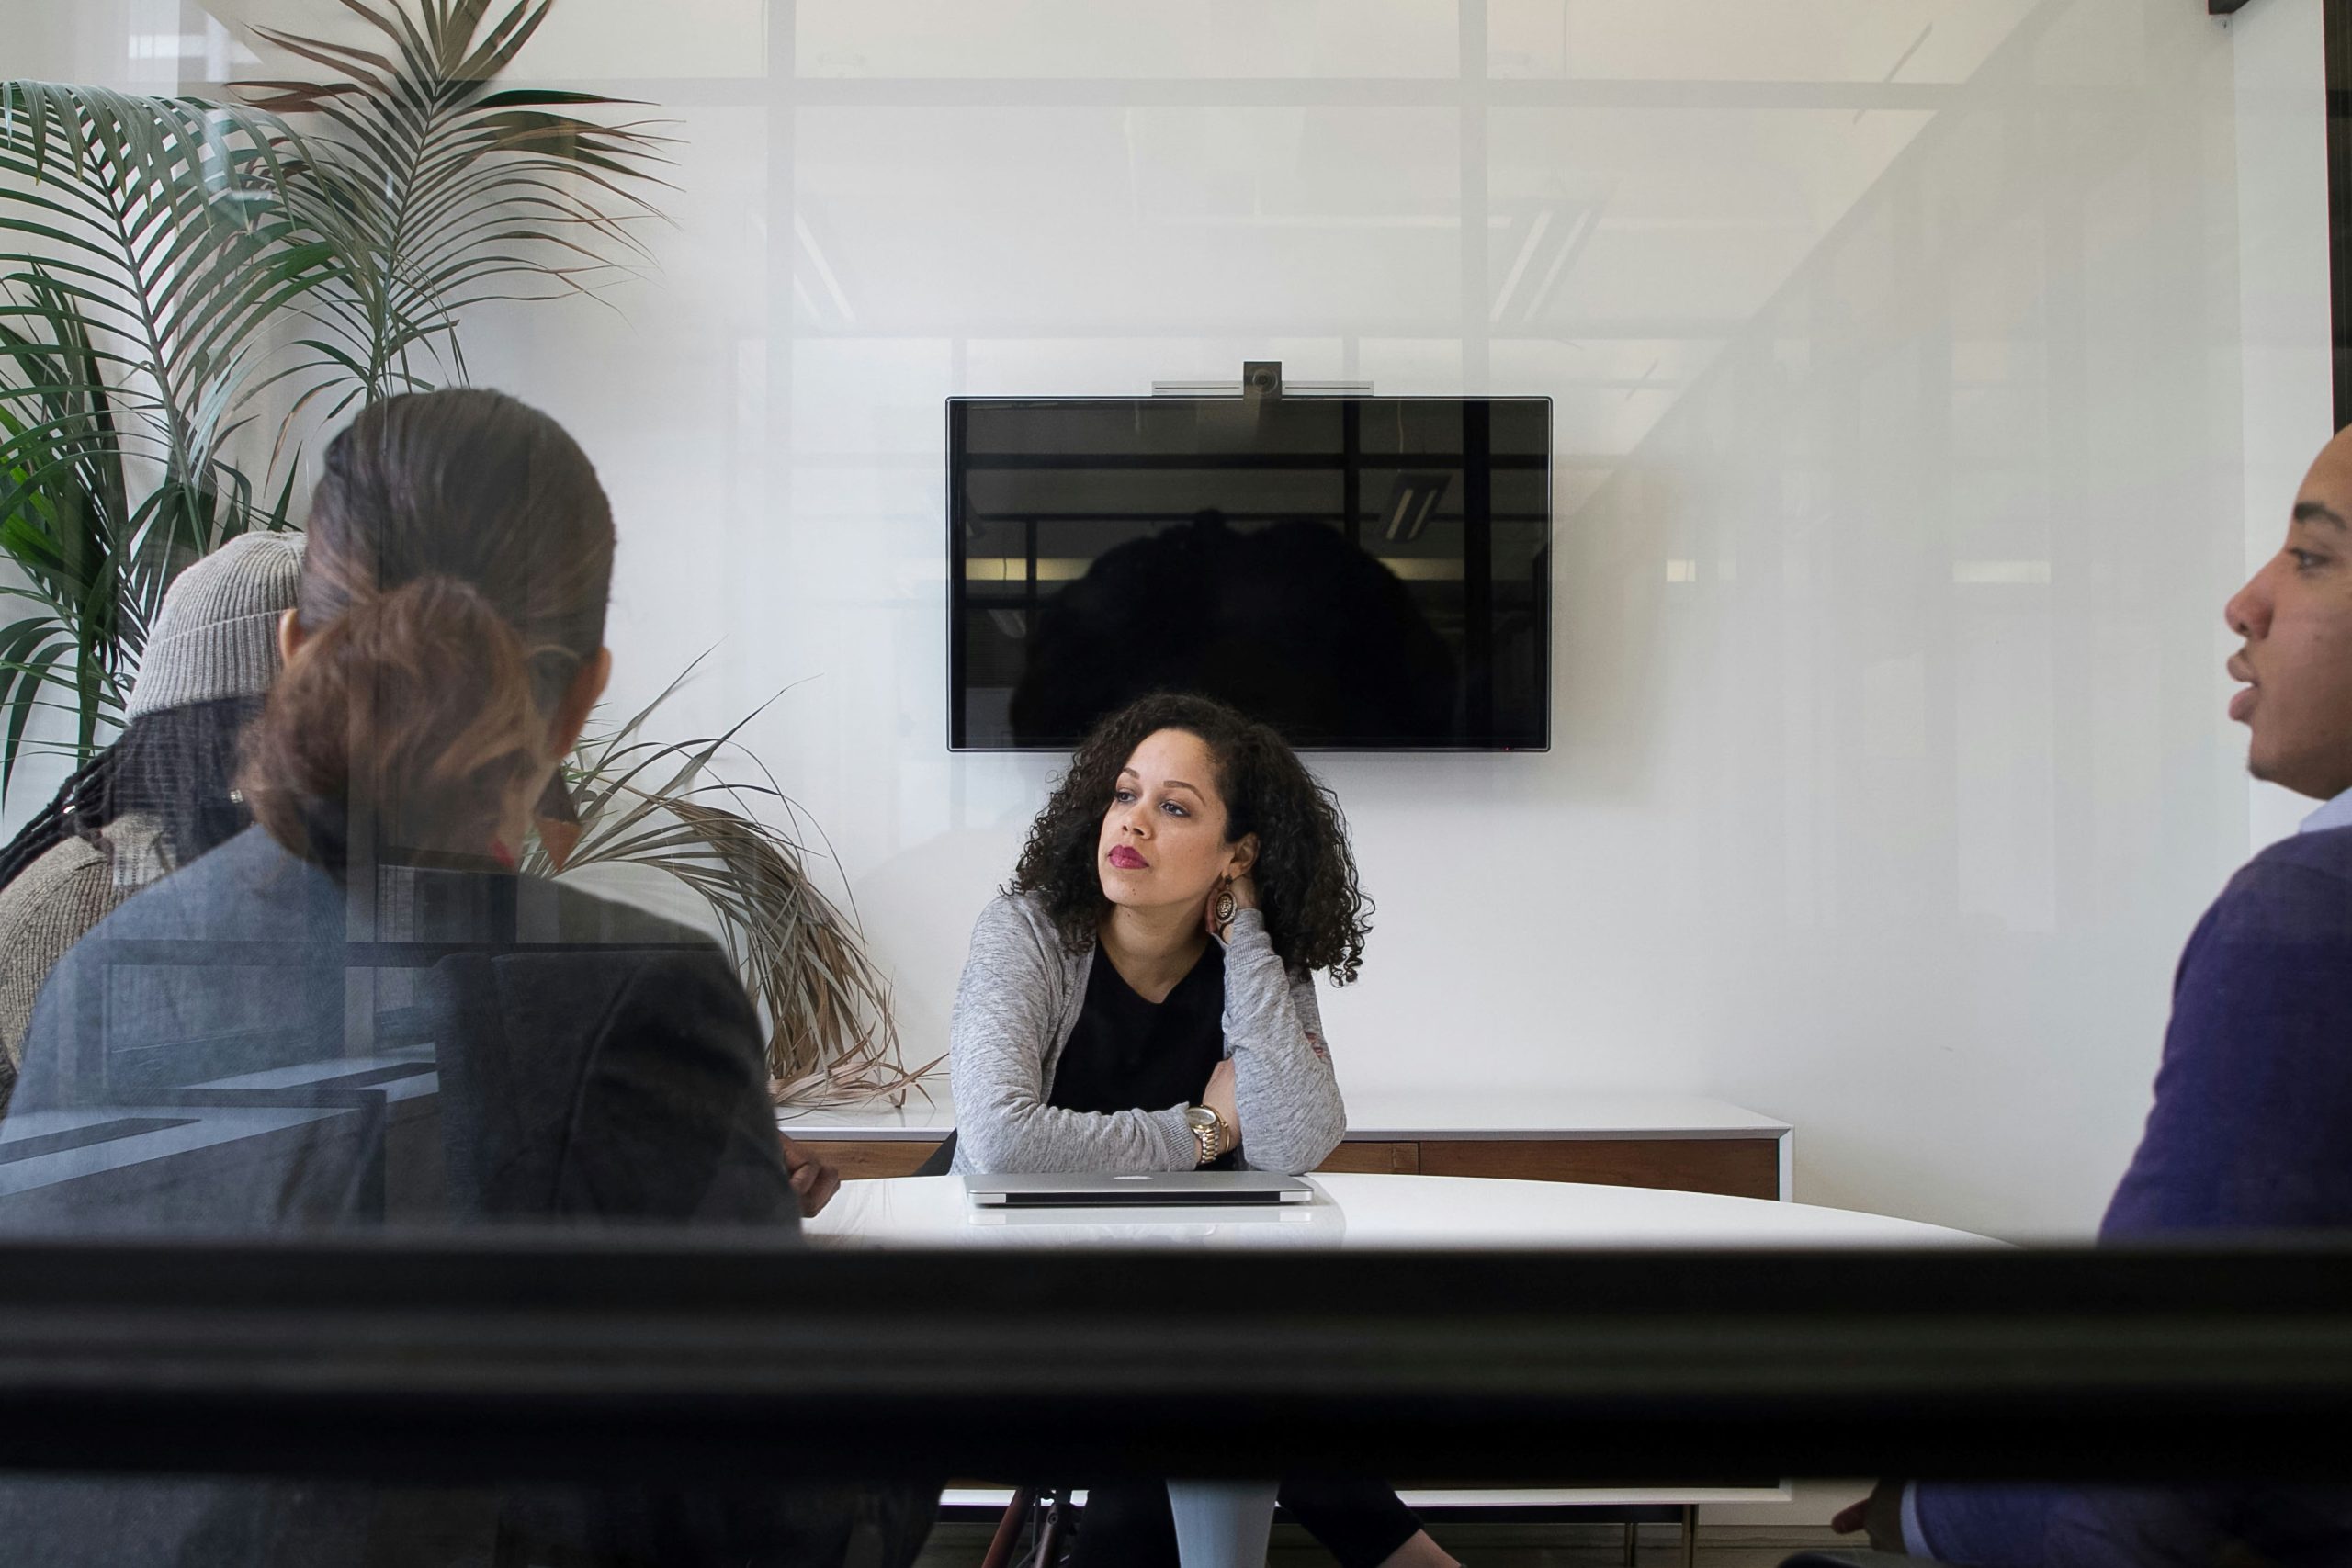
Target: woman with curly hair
{"x": 1141, "y": 998}
{"x": 1151, "y": 958}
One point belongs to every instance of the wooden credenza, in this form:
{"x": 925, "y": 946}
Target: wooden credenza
{"x": 1687, "y": 1144}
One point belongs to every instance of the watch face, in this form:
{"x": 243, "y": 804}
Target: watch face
{"x": 1200, "y": 1116}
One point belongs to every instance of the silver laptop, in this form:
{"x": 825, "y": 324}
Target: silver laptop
{"x": 1159, "y": 1190}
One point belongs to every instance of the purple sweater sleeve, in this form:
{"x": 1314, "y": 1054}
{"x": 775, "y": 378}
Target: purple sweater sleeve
{"x": 2253, "y": 1100}
{"x": 2253, "y": 1111}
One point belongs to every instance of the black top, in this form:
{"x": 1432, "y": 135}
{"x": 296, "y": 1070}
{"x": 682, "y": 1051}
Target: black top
{"x": 1126, "y": 1054}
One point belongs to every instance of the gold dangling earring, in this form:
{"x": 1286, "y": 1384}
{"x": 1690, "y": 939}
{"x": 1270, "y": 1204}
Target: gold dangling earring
{"x": 1224, "y": 905}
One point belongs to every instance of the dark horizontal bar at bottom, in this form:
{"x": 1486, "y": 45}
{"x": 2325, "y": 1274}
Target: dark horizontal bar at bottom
{"x": 1448, "y": 1513}
{"x": 511, "y": 1357}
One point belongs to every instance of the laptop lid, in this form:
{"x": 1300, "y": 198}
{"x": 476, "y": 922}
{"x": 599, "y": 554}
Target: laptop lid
{"x": 1170, "y": 1189}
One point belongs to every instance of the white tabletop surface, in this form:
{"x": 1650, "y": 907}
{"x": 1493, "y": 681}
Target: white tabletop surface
{"x": 1458, "y": 1113}
{"x": 1436, "y": 1211}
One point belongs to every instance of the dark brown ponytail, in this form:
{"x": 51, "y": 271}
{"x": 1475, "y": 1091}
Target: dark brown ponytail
{"x": 459, "y": 557}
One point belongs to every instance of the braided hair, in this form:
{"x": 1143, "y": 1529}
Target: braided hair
{"x": 178, "y": 764}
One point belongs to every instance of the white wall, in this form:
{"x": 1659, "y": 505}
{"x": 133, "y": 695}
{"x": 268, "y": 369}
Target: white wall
{"x": 91, "y": 40}
{"x": 1903, "y": 398}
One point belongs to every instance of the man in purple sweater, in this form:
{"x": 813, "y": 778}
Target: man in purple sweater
{"x": 2251, "y": 1129}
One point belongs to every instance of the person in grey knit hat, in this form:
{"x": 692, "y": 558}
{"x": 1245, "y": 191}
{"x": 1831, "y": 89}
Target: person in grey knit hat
{"x": 160, "y": 795}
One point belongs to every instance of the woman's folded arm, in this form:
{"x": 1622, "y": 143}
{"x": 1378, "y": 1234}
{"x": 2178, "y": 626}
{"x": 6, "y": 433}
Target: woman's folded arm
{"x": 1292, "y": 1116}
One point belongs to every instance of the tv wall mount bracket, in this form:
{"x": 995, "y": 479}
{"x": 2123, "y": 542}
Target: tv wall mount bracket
{"x": 1262, "y": 382}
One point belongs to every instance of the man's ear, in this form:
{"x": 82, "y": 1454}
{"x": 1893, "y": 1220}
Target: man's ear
{"x": 577, "y": 702}
{"x": 1244, "y": 859}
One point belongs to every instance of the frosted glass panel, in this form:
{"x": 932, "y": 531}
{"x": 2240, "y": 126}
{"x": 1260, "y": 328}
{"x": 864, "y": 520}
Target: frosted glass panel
{"x": 1280, "y": 221}
{"x": 1735, "y": 40}
{"x": 1080, "y": 38}
{"x": 1895, "y": 351}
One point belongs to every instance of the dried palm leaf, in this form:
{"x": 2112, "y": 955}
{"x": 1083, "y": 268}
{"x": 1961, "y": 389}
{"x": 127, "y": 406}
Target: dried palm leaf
{"x": 832, "y": 1036}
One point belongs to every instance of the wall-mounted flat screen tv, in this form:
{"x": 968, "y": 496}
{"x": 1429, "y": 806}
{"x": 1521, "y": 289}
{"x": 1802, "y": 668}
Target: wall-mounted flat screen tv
{"x": 1363, "y": 573}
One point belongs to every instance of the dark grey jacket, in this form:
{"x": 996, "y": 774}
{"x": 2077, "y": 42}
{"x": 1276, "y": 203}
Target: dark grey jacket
{"x": 595, "y": 1065}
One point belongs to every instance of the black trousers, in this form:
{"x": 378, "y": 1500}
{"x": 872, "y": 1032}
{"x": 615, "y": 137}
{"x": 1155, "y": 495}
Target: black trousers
{"x": 1128, "y": 1524}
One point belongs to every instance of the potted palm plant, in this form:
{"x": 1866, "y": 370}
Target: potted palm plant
{"x": 169, "y": 266}
{"x": 187, "y": 286}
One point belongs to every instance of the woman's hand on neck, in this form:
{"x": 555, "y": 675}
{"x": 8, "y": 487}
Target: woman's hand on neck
{"x": 1153, "y": 948}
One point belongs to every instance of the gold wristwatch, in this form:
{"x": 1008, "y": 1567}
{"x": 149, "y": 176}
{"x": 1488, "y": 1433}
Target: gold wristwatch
{"x": 1208, "y": 1131}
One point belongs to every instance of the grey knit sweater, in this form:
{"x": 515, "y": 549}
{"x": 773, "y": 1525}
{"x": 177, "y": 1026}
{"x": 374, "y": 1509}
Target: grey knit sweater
{"x": 1020, "y": 998}
{"x": 71, "y": 888}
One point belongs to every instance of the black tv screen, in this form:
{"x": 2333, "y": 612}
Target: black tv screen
{"x": 1363, "y": 573}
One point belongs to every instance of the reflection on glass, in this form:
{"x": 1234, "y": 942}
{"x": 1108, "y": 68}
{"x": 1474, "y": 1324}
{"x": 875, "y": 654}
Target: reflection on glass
{"x": 1360, "y": 573}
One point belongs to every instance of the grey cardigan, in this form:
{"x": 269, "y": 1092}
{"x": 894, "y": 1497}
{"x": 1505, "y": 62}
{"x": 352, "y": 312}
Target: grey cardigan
{"x": 1020, "y": 998}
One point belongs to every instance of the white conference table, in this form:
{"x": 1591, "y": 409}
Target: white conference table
{"x": 1433, "y": 1211}
{"x": 1225, "y": 1525}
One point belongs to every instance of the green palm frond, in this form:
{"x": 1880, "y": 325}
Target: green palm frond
{"x": 144, "y": 250}
{"x": 832, "y": 1036}
{"x": 65, "y": 521}
{"x": 437, "y": 190}
{"x": 160, "y": 224}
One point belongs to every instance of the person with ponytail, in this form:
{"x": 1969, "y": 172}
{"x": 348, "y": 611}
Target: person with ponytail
{"x": 592, "y": 1063}
{"x": 164, "y": 792}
